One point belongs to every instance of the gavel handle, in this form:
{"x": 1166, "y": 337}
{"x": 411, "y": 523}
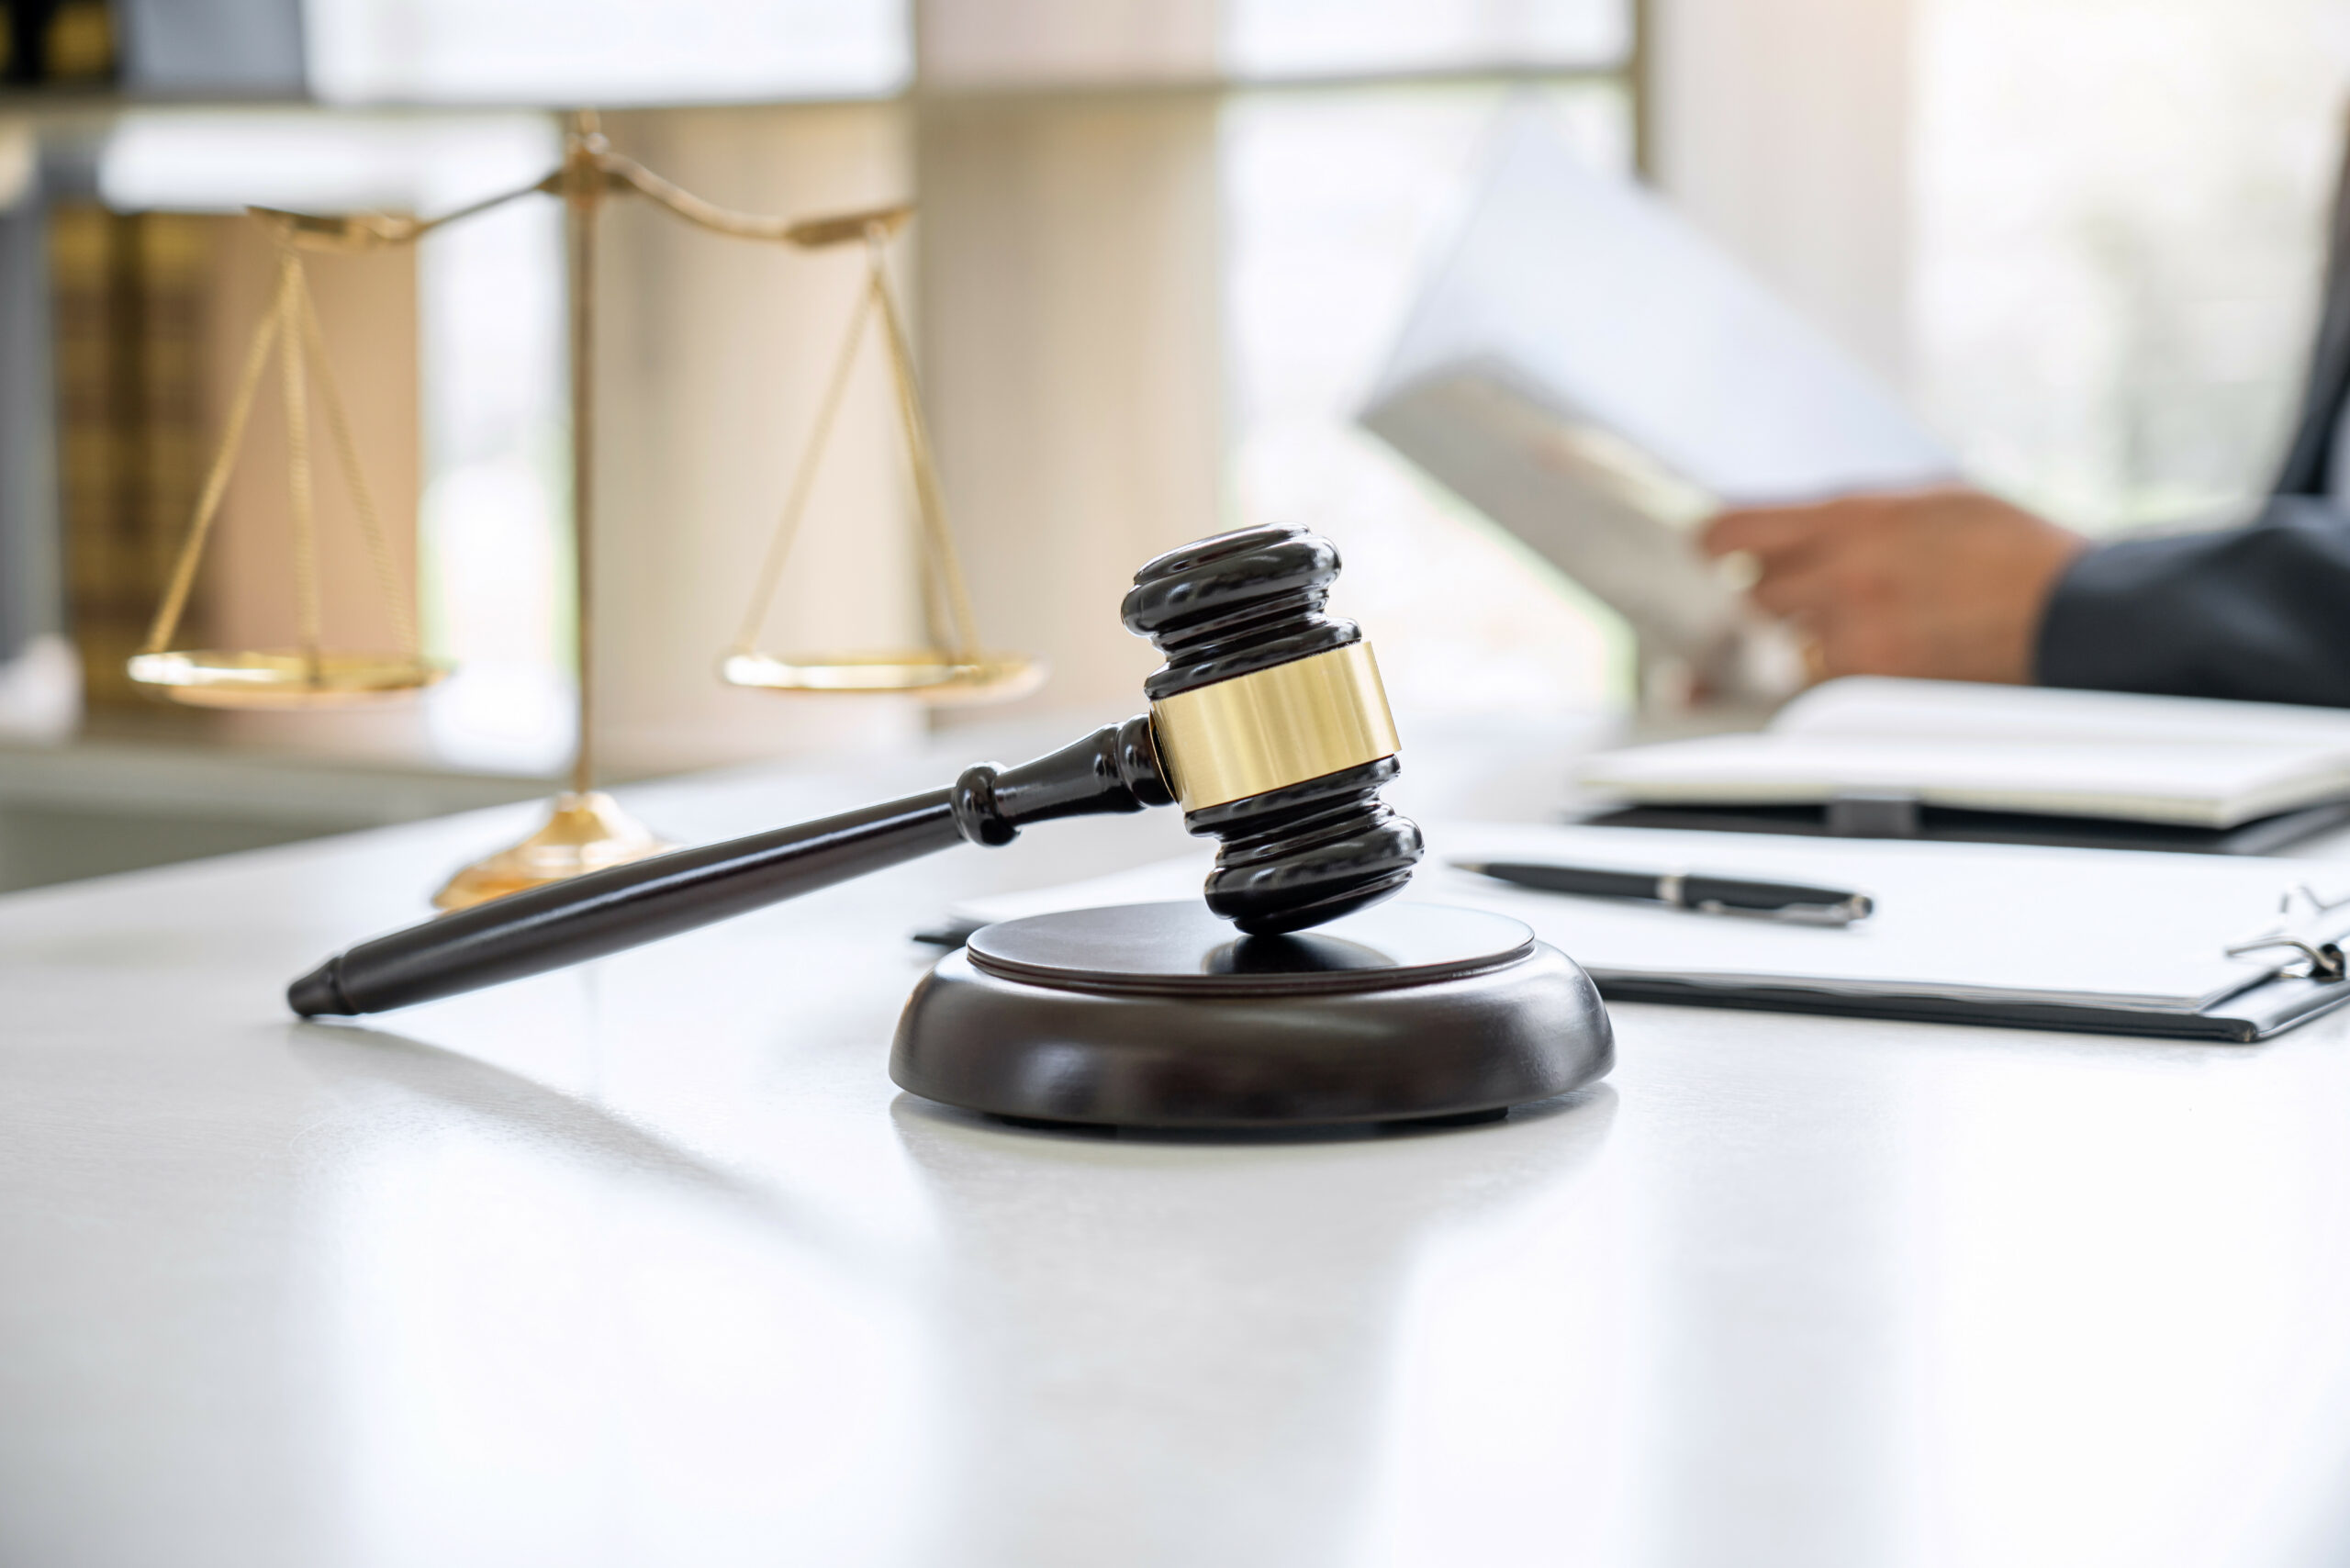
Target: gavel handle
{"x": 1114, "y": 769}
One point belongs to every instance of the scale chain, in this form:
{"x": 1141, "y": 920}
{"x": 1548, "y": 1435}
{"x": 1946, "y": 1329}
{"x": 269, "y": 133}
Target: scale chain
{"x": 795, "y": 500}
{"x": 298, "y": 477}
{"x": 926, "y": 496}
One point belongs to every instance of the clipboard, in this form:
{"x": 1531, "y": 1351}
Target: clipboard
{"x": 2265, "y": 1009}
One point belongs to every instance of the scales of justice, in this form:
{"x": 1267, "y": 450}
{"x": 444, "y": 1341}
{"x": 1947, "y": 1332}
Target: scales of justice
{"x": 585, "y": 830}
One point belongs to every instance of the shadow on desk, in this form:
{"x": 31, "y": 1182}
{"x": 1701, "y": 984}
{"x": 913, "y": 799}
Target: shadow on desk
{"x": 357, "y": 1054}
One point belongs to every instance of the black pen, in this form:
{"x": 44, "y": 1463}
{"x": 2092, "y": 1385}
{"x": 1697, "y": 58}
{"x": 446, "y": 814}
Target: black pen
{"x": 1790, "y": 902}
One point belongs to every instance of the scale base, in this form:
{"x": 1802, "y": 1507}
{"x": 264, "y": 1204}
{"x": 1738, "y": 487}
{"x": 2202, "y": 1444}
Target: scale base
{"x": 583, "y": 833}
{"x": 1161, "y": 1015}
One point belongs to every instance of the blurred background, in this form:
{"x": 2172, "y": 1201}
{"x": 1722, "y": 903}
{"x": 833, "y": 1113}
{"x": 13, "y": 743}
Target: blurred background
{"x": 1162, "y": 247}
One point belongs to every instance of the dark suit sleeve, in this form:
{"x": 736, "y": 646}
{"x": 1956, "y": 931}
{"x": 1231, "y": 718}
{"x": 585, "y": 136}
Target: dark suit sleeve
{"x": 2259, "y": 613}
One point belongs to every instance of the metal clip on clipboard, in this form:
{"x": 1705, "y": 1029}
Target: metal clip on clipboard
{"x": 2325, "y": 957}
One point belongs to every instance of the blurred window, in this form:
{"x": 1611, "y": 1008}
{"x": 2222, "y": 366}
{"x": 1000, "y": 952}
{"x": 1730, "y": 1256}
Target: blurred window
{"x": 1332, "y": 38}
{"x": 2119, "y": 233}
{"x": 611, "y": 52}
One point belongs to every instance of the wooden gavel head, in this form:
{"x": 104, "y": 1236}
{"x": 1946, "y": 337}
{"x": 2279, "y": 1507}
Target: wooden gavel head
{"x": 1271, "y": 728}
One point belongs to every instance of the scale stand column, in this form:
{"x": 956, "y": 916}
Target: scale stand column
{"x": 585, "y": 830}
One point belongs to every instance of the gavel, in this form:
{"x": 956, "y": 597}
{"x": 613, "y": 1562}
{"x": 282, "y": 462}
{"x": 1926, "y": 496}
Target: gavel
{"x": 1268, "y": 724}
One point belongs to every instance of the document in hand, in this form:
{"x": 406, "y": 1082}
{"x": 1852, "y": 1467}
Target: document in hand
{"x": 1591, "y": 373}
{"x": 2183, "y": 760}
{"x": 1977, "y": 934}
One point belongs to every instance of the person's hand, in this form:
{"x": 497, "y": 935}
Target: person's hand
{"x": 1947, "y": 584}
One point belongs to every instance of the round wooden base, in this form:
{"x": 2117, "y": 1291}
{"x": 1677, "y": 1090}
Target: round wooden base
{"x": 1161, "y": 1015}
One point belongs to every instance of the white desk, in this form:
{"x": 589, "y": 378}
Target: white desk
{"x": 649, "y": 1263}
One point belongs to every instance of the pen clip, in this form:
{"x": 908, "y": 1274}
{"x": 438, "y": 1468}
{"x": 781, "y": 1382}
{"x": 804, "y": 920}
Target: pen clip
{"x": 1830, "y": 914}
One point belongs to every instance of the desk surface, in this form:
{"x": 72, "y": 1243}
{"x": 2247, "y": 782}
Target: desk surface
{"x": 649, "y": 1263}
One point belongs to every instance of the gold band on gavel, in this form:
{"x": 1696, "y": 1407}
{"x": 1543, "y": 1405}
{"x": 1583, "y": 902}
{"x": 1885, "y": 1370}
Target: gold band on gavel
{"x": 1275, "y": 727}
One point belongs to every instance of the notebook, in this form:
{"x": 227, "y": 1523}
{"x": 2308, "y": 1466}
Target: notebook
{"x": 1593, "y": 374}
{"x": 2040, "y": 938}
{"x": 2187, "y": 762}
